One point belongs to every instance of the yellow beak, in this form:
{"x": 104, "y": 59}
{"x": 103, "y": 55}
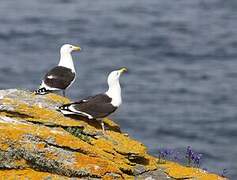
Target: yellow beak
{"x": 122, "y": 70}
{"x": 76, "y": 48}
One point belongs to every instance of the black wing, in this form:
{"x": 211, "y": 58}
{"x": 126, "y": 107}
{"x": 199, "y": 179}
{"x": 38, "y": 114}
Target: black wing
{"x": 98, "y": 106}
{"x": 97, "y": 98}
{"x": 59, "y": 77}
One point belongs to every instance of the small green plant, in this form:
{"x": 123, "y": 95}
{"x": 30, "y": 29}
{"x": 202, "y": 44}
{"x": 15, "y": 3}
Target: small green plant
{"x": 75, "y": 131}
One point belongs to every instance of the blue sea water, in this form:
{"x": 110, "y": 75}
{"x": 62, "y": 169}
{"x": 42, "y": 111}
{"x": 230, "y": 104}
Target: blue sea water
{"x": 182, "y": 58}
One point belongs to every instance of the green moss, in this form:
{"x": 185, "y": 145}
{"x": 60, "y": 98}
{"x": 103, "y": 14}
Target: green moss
{"x": 77, "y": 131}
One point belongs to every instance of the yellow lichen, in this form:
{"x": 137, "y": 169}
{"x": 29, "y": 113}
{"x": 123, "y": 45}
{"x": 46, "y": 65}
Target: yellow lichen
{"x": 177, "y": 171}
{"x": 28, "y": 174}
{"x": 124, "y": 144}
{"x": 40, "y": 146}
{"x": 103, "y": 145}
{"x": 46, "y": 116}
{"x": 111, "y": 123}
{"x": 3, "y": 146}
{"x": 21, "y": 162}
{"x": 113, "y": 153}
{"x": 56, "y": 98}
{"x": 95, "y": 165}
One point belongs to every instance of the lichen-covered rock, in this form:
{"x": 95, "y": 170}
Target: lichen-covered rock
{"x": 38, "y": 142}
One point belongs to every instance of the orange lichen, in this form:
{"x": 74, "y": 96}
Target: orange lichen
{"x": 124, "y": 144}
{"x": 113, "y": 154}
{"x": 61, "y": 137}
{"x": 21, "y": 162}
{"x": 50, "y": 117}
{"x": 46, "y": 116}
{"x": 109, "y": 177}
{"x": 40, "y": 146}
{"x": 177, "y": 171}
{"x": 51, "y": 155}
{"x": 96, "y": 166}
{"x": 3, "y": 146}
{"x": 28, "y": 174}
{"x": 151, "y": 163}
{"x": 103, "y": 145}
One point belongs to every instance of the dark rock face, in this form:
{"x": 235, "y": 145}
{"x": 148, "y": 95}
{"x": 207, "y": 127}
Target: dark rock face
{"x": 38, "y": 142}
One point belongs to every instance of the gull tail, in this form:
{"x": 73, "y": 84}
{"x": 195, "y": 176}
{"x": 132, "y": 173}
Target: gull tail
{"x": 64, "y": 109}
{"x": 68, "y": 109}
{"x": 42, "y": 91}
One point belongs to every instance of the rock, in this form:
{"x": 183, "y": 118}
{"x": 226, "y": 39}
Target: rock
{"x": 38, "y": 142}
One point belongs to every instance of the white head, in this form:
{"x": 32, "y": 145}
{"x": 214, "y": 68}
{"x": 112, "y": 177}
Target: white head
{"x": 68, "y": 48}
{"x": 66, "y": 57}
{"x": 114, "y": 76}
{"x": 114, "y": 90}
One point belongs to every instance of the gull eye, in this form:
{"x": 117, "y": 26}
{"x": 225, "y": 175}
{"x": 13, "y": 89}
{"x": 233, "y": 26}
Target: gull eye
{"x": 71, "y": 47}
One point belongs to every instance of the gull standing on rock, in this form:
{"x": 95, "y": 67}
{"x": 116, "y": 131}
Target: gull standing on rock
{"x": 62, "y": 76}
{"x": 100, "y": 105}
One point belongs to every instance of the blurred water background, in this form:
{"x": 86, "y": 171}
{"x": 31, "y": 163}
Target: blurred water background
{"x": 182, "y": 57}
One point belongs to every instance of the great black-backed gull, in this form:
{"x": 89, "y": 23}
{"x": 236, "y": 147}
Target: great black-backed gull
{"x": 61, "y": 76}
{"x": 100, "y": 105}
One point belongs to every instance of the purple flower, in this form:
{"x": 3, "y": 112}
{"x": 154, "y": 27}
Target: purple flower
{"x": 176, "y": 156}
{"x": 197, "y": 159}
{"x": 164, "y": 154}
{"x": 193, "y": 157}
{"x": 168, "y": 152}
{"x": 189, "y": 155}
{"x": 189, "y": 152}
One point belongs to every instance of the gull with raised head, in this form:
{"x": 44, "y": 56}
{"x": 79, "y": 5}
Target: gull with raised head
{"x": 101, "y": 105}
